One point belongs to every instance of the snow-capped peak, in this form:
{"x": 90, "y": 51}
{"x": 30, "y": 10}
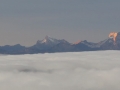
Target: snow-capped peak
{"x": 44, "y": 40}
{"x": 48, "y": 39}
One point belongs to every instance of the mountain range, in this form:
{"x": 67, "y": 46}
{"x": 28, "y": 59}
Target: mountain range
{"x": 52, "y": 45}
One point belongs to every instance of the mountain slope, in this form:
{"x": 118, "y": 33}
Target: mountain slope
{"x": 112, "y": 43}
{"x": 45, "y": 45}
{"x": 16, "y": 49}
{"x": 61, "y": 47}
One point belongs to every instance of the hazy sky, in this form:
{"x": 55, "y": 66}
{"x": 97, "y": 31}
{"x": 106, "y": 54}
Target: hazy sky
{"x": 26, "y": 21}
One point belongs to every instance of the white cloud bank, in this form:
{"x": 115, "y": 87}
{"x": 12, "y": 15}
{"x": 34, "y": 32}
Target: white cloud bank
{"x": 61, "y": 71}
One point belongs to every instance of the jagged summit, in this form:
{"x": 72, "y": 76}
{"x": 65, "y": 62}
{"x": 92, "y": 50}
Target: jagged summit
{"x": 49, "y": 40}
{"x": 113, "y": 35}
{"x": 112, "y": 43}
{"x": 45, "y": 39}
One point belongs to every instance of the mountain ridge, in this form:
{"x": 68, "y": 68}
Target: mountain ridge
{"x": 52, "y": 45}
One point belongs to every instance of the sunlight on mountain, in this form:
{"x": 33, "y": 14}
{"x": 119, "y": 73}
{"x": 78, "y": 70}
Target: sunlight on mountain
{"x": 113, "y": 35}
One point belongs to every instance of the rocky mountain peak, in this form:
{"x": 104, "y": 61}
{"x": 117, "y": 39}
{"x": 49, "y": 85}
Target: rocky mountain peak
{"x": 113, "y": 35}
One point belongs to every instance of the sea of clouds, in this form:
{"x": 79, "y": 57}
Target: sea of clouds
{"x": 98, "y": 70}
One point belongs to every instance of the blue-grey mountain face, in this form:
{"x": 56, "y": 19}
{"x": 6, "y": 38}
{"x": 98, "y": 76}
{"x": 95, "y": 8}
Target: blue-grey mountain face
{"x": 47, "y": 43}
{"x": 112, "y": 43}
{"x": 16, "y": 49}
{"x": 51, "y": 45}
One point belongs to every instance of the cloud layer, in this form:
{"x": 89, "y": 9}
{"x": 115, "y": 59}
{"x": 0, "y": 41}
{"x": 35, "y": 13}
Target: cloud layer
{"x": 61, "y": 71}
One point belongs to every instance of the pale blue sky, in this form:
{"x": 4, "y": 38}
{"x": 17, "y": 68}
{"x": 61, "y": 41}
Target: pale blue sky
{"x": 26, "y": 21}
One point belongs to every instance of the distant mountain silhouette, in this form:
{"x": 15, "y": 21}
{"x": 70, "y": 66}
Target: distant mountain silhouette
{"x": 52, "y": 45}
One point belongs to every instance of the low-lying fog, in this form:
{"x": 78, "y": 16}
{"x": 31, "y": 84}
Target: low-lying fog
{"x": 99, "y": 70}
